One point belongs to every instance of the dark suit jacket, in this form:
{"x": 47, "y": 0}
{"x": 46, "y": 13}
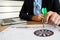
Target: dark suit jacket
{"x": 27, "y": 8}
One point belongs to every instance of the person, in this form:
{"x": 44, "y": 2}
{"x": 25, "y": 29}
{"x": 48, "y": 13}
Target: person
{"x": 31, "y": 11}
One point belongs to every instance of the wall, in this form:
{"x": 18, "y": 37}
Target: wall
{"x": 10, "y": 9}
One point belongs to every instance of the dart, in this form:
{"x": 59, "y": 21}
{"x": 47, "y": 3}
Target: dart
{"x": 44, "y": 12}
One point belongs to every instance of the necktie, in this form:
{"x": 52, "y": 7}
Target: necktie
{"x": 37, "y": 7}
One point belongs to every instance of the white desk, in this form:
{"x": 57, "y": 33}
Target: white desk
{"x": 13, "y": 33}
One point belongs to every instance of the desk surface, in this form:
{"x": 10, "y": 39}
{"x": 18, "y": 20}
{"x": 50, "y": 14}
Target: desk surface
{"x": 13, "y": 33}
{"x": 28, "y": 23}
{"x": 10, "y": 32}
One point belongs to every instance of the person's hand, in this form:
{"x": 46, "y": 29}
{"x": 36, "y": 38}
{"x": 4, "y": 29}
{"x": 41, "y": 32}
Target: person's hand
{"x": 53, "y": 18}
{"x": 38, "y": 17}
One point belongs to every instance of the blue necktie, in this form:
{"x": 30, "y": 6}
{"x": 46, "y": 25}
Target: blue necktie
{"x": 37, "y": 7}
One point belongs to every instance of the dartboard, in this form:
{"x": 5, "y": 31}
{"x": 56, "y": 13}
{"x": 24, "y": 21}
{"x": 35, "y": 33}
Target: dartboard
{"x": 43, "y": 33}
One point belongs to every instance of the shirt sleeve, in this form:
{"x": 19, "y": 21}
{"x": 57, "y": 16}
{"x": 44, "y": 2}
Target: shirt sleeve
{"x": 56, "y": 6}
{"x": 23, "y": 14}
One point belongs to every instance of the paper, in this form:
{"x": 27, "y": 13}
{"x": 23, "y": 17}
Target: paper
{"x": 12, "y": 33}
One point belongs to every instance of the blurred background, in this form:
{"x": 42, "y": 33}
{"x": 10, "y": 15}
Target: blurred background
{"x": 9, "y": 10}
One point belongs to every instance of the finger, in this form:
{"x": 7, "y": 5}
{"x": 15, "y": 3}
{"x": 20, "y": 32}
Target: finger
{"x": 40, "y": 17}
{"x": 48, "y": 15}
{"x": 57, "y": 19}
{"x": 58, "y": 22}
{"x": 53, "y": 17}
